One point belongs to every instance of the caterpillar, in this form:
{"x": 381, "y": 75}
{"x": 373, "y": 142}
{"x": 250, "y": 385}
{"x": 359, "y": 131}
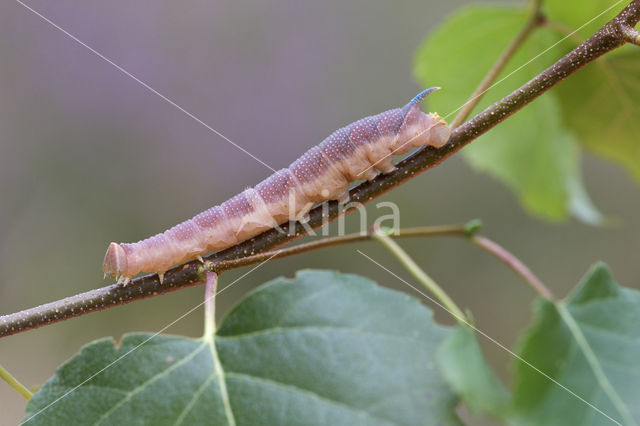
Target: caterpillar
{"x": 323, "y": 173}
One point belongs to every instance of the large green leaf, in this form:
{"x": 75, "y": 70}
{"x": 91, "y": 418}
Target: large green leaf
{"x": 324, "y": 348}
{"x": 532, "y": 152}
{"x": 591, "y": 346}
{"x": 463, "y": 365}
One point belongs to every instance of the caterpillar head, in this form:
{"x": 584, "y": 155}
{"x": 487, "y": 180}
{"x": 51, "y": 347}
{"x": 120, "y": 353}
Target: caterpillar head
{"x": 115, "y": 261}
{"x": 420, "y": 129}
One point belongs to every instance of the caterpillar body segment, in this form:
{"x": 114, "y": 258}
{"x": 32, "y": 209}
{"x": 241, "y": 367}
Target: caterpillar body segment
{"x": 355, "y": 152}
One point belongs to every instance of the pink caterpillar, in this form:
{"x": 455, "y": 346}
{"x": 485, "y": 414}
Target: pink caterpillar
{"x": 322, "y": 173}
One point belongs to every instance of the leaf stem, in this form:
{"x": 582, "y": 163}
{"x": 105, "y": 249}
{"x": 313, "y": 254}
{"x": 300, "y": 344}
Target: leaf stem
{"x": 15, "y": 384}
{"x": 211, "y": 284}
{"x": 421, "y": 276}
{"x": 514, "y": 263}
{"x": 210, "y": 287}
{"x": 594, "y": 363}
{"x": 535, "y": 20}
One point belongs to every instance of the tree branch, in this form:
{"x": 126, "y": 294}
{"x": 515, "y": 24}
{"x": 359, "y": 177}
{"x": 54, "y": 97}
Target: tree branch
{"x": 608, "y": 38}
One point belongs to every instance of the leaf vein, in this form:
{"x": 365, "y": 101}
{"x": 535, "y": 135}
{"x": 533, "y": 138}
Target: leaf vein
{"x": 219, "y": 371}
{"x": 194, "y": 399}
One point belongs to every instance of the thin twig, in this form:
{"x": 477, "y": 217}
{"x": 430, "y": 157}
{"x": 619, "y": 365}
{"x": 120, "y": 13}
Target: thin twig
{"x": 514, "y": 263}
{"x": 15, "y": 384}
{"x": 604, "y": 40}
{"x": 534, "y": 21}
{"x": 419, "y": 231}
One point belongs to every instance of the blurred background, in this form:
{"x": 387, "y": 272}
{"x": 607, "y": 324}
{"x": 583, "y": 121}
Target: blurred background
{"x": 89, "y": 156}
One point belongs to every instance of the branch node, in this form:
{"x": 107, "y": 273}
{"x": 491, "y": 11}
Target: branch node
{"x": 472, "y": 227}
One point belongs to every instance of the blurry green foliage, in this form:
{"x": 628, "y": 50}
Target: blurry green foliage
{"x": 608, "y": 316}
{"x": 536, "y": 152}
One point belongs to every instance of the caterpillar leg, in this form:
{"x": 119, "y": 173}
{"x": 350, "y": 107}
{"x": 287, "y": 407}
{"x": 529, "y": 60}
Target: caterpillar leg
{"x": 161, "y": 277}
{"x": 368, "y": 174}
{"x": 200, "y": 259}
{"x": 123, "y": 280}
{"x": 385, "y": 165}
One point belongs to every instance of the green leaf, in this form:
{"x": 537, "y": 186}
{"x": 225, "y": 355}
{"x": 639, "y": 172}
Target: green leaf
{"x": 591, "y": 346}
{"x": 458, "y": 54}
{"x": 463, "y": 365}
{"x": 574, "y": 14}
{"x": 600, "y": 105}
{"x": 323, "y": 348}
{"x": 532, "y": 152}
{"x": 538, "y": 164}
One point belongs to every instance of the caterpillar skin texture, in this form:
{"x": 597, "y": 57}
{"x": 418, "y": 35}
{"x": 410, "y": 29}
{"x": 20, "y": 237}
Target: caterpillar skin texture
{"x": 323, "y": 173}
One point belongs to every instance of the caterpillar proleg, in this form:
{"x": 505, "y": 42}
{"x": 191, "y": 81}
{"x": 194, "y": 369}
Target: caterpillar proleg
{"x": 323, "y": 173}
